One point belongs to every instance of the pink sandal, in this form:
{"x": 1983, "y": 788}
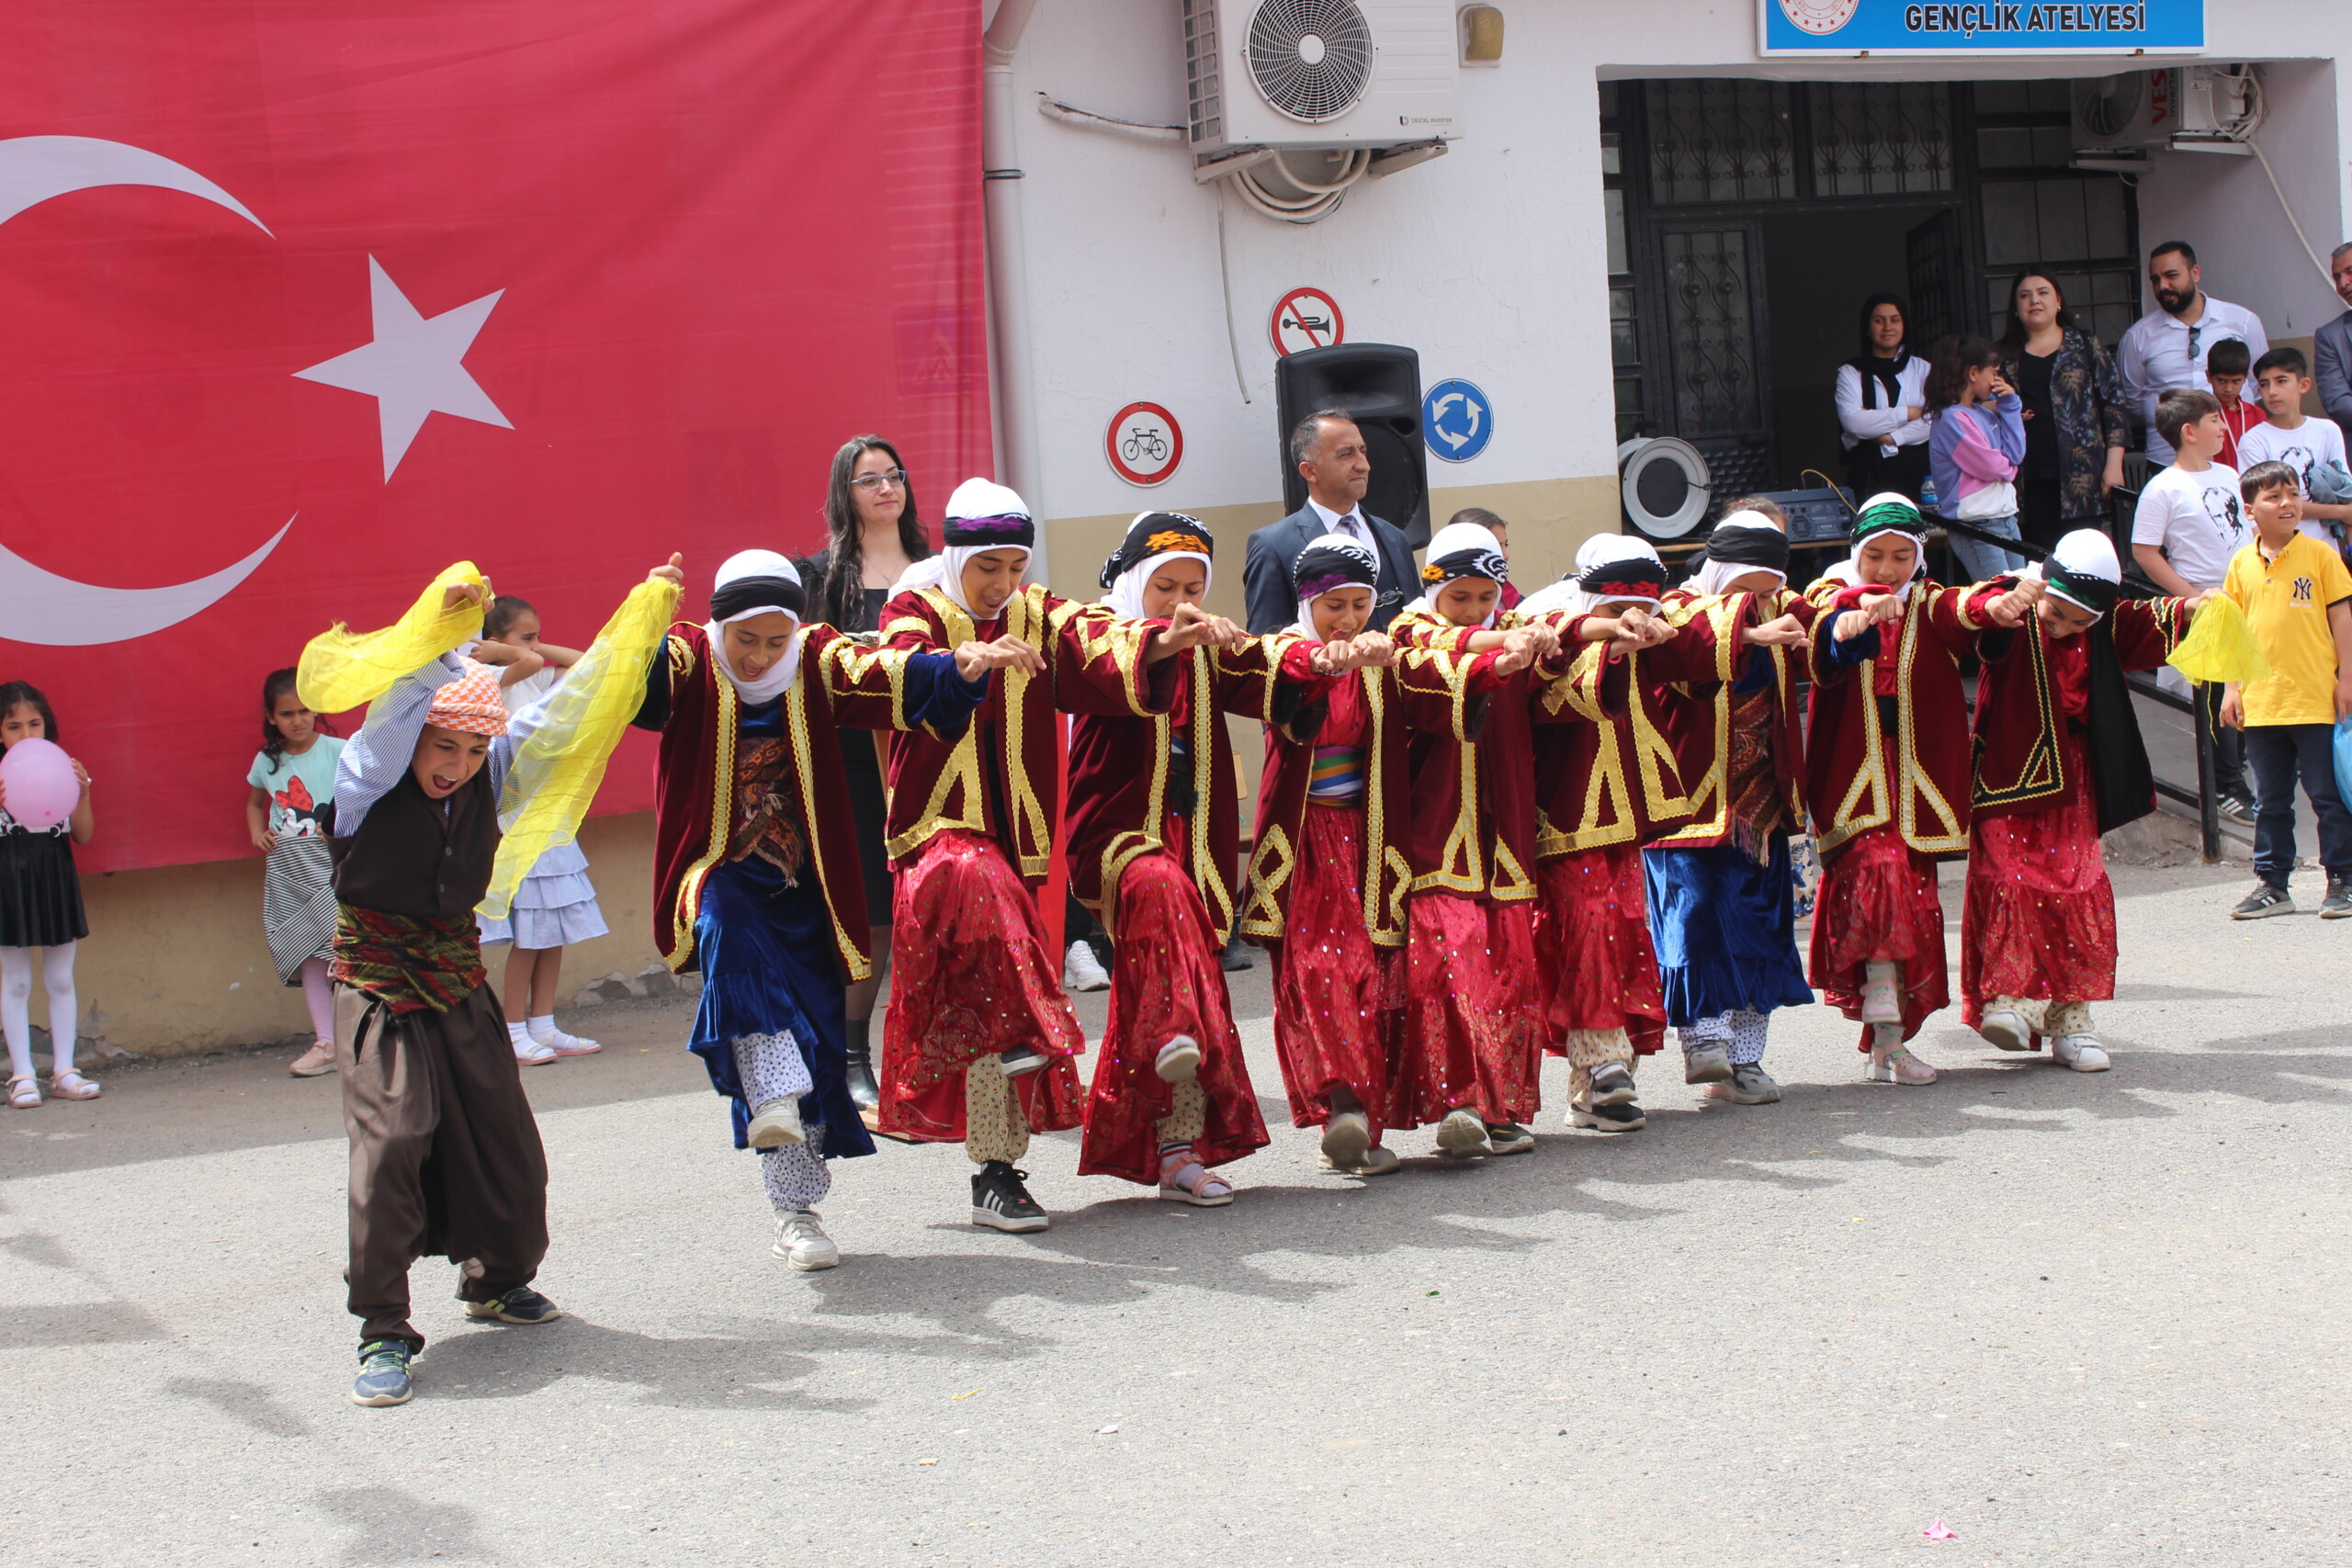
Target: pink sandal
{"x": 23, "y": 1093}
{"x": 1184, "y": 1180}
{"x": 71, "y": 1085}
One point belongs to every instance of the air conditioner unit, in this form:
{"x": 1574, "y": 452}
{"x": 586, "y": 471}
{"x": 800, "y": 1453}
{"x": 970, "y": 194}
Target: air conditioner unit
{"x": 2120, "y": 120}
{"x": 1322, "y": 74}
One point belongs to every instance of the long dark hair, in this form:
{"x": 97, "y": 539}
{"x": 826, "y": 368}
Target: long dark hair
{"x": 1868, "y": 350}
{"x": 2013, "y": 335}
{"x": 1947, "y": 369}
{"x": 30, "y": 695}
{"x": 841, "y": 596}
{"x": 274, "y": 686}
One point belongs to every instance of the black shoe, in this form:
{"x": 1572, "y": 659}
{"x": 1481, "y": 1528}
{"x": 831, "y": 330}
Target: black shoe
{"x": 2263, "y": 902}
{"x": 2337, "y": 905}
{"x": 2236, "y": 807}
{"x": 864, "y": 1091}
{"x": 521, "y": 1304}
{"x": 1614, "y": 1116}
{"x": 383, "y": 1373}
{"x": 1001, "y": 1202}
{"x": 1236, "y": 957}
{"x": 1019, "y": 1059}
{"x": 1510, "y": 1138}
{"x": 1612, "y": 1084}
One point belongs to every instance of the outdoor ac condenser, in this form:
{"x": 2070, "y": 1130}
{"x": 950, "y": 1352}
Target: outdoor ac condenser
{"x": 1321, "y": 74}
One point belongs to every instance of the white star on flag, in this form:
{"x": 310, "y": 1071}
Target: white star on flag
{"x": 414, "y": 367}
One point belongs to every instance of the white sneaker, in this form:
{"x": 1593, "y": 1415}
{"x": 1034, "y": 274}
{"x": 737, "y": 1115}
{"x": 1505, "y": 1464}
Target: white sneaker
{"x": 1707, "y": 1061}
{"x": 1180, "y": 1060}
{"x": 775, "y": 1125}
{"x": 1080, "y": 971}
{"x": 802, "y": 1242}
{"x": 2081, "y": 1052}
{"x": 2005, "y": 1027}
{"x": 532, "y": 1053}
{"x": 1463, "y": 1136}
{"x": 1346, "y": 1138}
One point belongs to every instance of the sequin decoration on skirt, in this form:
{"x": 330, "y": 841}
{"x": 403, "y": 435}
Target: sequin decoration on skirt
{"x": 970, "y": 977}
{"x": 1473, "y": 1011}
{"x": 2038, "y": 919}
{"x": 1879, "y": 899}
{"x": 1338, "y": 999}
{"x": 1725, "y": 926}
{"x": 1592, "y": 939}
{"x": 1165, "y": 981}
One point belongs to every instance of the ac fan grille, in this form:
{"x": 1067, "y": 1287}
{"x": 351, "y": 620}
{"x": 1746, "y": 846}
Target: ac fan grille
{"x": 2108, "y": 106}
{"x": 1312, "y": 58}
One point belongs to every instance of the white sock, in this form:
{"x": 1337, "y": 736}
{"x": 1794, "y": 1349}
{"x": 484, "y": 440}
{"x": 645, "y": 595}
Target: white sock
{"x": 518, "y": 1035}
{"x": 542, "y": 1028}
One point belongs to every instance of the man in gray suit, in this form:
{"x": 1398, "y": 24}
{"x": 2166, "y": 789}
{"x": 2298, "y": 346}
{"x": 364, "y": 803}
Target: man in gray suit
{"x": 1328, "y": 450}
{"x": 2331, "y": 346}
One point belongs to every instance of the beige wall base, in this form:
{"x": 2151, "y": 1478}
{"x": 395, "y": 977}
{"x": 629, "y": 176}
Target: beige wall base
{"x": 176, "y": 963}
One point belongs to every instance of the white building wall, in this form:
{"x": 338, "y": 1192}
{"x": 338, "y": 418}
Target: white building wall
{"x": 1490, "y": 259}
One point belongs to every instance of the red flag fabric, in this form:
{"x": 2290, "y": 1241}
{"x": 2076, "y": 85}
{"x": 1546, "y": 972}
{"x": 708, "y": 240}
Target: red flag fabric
{"x": 298, "y": 303}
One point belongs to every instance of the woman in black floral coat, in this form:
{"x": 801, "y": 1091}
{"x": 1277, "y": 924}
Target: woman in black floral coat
{"x": 2076, "y": 424}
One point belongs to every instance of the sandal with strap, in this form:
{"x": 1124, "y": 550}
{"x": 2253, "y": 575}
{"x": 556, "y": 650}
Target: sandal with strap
{"x": 1184, "y": 1179}
{"x": 71, "y": 1085}
{"x": 23, "y": 1093}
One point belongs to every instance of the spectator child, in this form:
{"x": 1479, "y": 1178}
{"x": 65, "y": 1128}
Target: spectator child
{"x": 288, "y": 811}
{"x": 2297, "y": 596}
{"x": 2282, "y": 380}
{"x": 556, "y": 905}
{"x": 41, "y": 906}
{"x": 2226, "y": 364}
{"x": 2188, "y": 525}
{"x": 1979, "y": 441}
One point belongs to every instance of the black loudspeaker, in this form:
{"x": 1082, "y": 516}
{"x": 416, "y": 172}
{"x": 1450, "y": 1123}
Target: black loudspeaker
{"x": 1380, "y": 384}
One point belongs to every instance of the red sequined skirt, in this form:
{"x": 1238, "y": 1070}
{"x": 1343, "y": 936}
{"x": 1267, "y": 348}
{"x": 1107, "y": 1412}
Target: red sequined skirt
{"x": 1473, "y": 1011}
{"x": 1165, "y": 981}
{"x": 971, "y": 977}
{"x": 1592, "y": 941}
{"x": 2038, "y": 919}
{"x": 1338, "y": 998}
{"x": 1878, "y": 900}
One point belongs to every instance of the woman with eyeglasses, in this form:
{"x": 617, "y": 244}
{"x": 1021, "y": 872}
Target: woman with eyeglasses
{"x": 872, "y": 533}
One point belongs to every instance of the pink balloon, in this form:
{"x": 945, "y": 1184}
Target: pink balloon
{"x": 42, "y": 790}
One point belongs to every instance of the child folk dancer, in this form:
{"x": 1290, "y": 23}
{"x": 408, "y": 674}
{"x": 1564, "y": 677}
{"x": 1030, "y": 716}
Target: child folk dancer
{"x": 1887, "y": 760}
{"x": 444, "y": 1156}
{"x": 759, "y": 885}
{"x": 978, "y": 1042}
{"x": 1153, "y": 823}
{"x": 1721, "y": 901}
{"x": 1603, "y": 788}
{"x": 1475, "y": 999}
{"x": 2059, "y": 761}
{"x": 1328, "y": 873}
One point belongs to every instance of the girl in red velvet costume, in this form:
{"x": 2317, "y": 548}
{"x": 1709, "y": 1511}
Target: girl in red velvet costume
{"x": 2059, "y": 761}
{"x": 1887, "y": 775}
{"x": 979, "y": 1044}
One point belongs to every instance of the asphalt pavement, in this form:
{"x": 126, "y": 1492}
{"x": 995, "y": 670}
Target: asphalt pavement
{"x": 2076, "y": 1319}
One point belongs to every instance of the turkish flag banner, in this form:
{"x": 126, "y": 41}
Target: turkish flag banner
{"x": 301, "y": 302}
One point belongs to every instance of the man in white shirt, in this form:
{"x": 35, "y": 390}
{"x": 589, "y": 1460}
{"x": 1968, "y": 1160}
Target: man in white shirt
{"x": 2165, "y": 349}
{"x": 1329, "y": 452}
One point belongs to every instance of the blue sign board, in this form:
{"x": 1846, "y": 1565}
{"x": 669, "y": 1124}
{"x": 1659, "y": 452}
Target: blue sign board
{"x": 1904, "y": 27}
{"x": 1456, "y": 421}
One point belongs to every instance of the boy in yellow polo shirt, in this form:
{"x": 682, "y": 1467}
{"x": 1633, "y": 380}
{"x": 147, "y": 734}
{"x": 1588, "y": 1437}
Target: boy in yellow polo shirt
{"x": 2297, "y": 596}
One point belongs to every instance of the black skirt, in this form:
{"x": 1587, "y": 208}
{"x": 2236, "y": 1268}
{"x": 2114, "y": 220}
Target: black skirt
{"x": 40, "y": 893}
{"x": 867, "y": 808}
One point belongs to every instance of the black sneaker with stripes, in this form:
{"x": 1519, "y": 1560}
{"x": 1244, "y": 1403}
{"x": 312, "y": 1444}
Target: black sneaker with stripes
{"x": 1001, "y": 1202}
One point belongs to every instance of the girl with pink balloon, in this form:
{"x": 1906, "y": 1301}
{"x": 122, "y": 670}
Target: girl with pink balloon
{"x": 44, "y": 812}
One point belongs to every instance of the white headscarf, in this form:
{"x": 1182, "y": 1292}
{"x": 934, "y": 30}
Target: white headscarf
{"x": 784, "y": 671}
{"x": 1601, "y": 549}
{"x": 1716, "y": 576}
{"x": 2089, "y": 553}
{"x": 944, "y": 572}
{"x": 1355, "y": 549}
{"x": 1850, "y": 570}
{"x": 1453, "y": 539}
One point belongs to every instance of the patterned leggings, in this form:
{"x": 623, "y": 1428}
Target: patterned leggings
{"x": 770, "y": 1068}
{"x": 1742, "y": 1032}
{"x": 994, "y": 1128}
{"x": 1591, "y": 1048}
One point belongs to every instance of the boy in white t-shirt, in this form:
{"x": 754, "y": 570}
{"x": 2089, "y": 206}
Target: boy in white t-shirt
{"x": 2282, "y": 380}
{"x": 2190, "y": 523}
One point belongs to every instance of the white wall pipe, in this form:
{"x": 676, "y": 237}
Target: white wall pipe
{"x": 1014, "y": 370}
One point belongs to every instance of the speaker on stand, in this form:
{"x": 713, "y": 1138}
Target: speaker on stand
{"x": 1380, "y": 385}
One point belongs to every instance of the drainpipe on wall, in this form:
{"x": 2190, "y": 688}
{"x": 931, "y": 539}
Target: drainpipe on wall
{"x": 1012, "y": 370}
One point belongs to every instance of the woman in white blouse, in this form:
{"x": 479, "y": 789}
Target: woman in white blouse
{"x": 1882, "y": 404}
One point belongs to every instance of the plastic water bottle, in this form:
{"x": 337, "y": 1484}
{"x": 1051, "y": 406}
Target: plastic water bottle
{"x": 1928, "y": 494}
